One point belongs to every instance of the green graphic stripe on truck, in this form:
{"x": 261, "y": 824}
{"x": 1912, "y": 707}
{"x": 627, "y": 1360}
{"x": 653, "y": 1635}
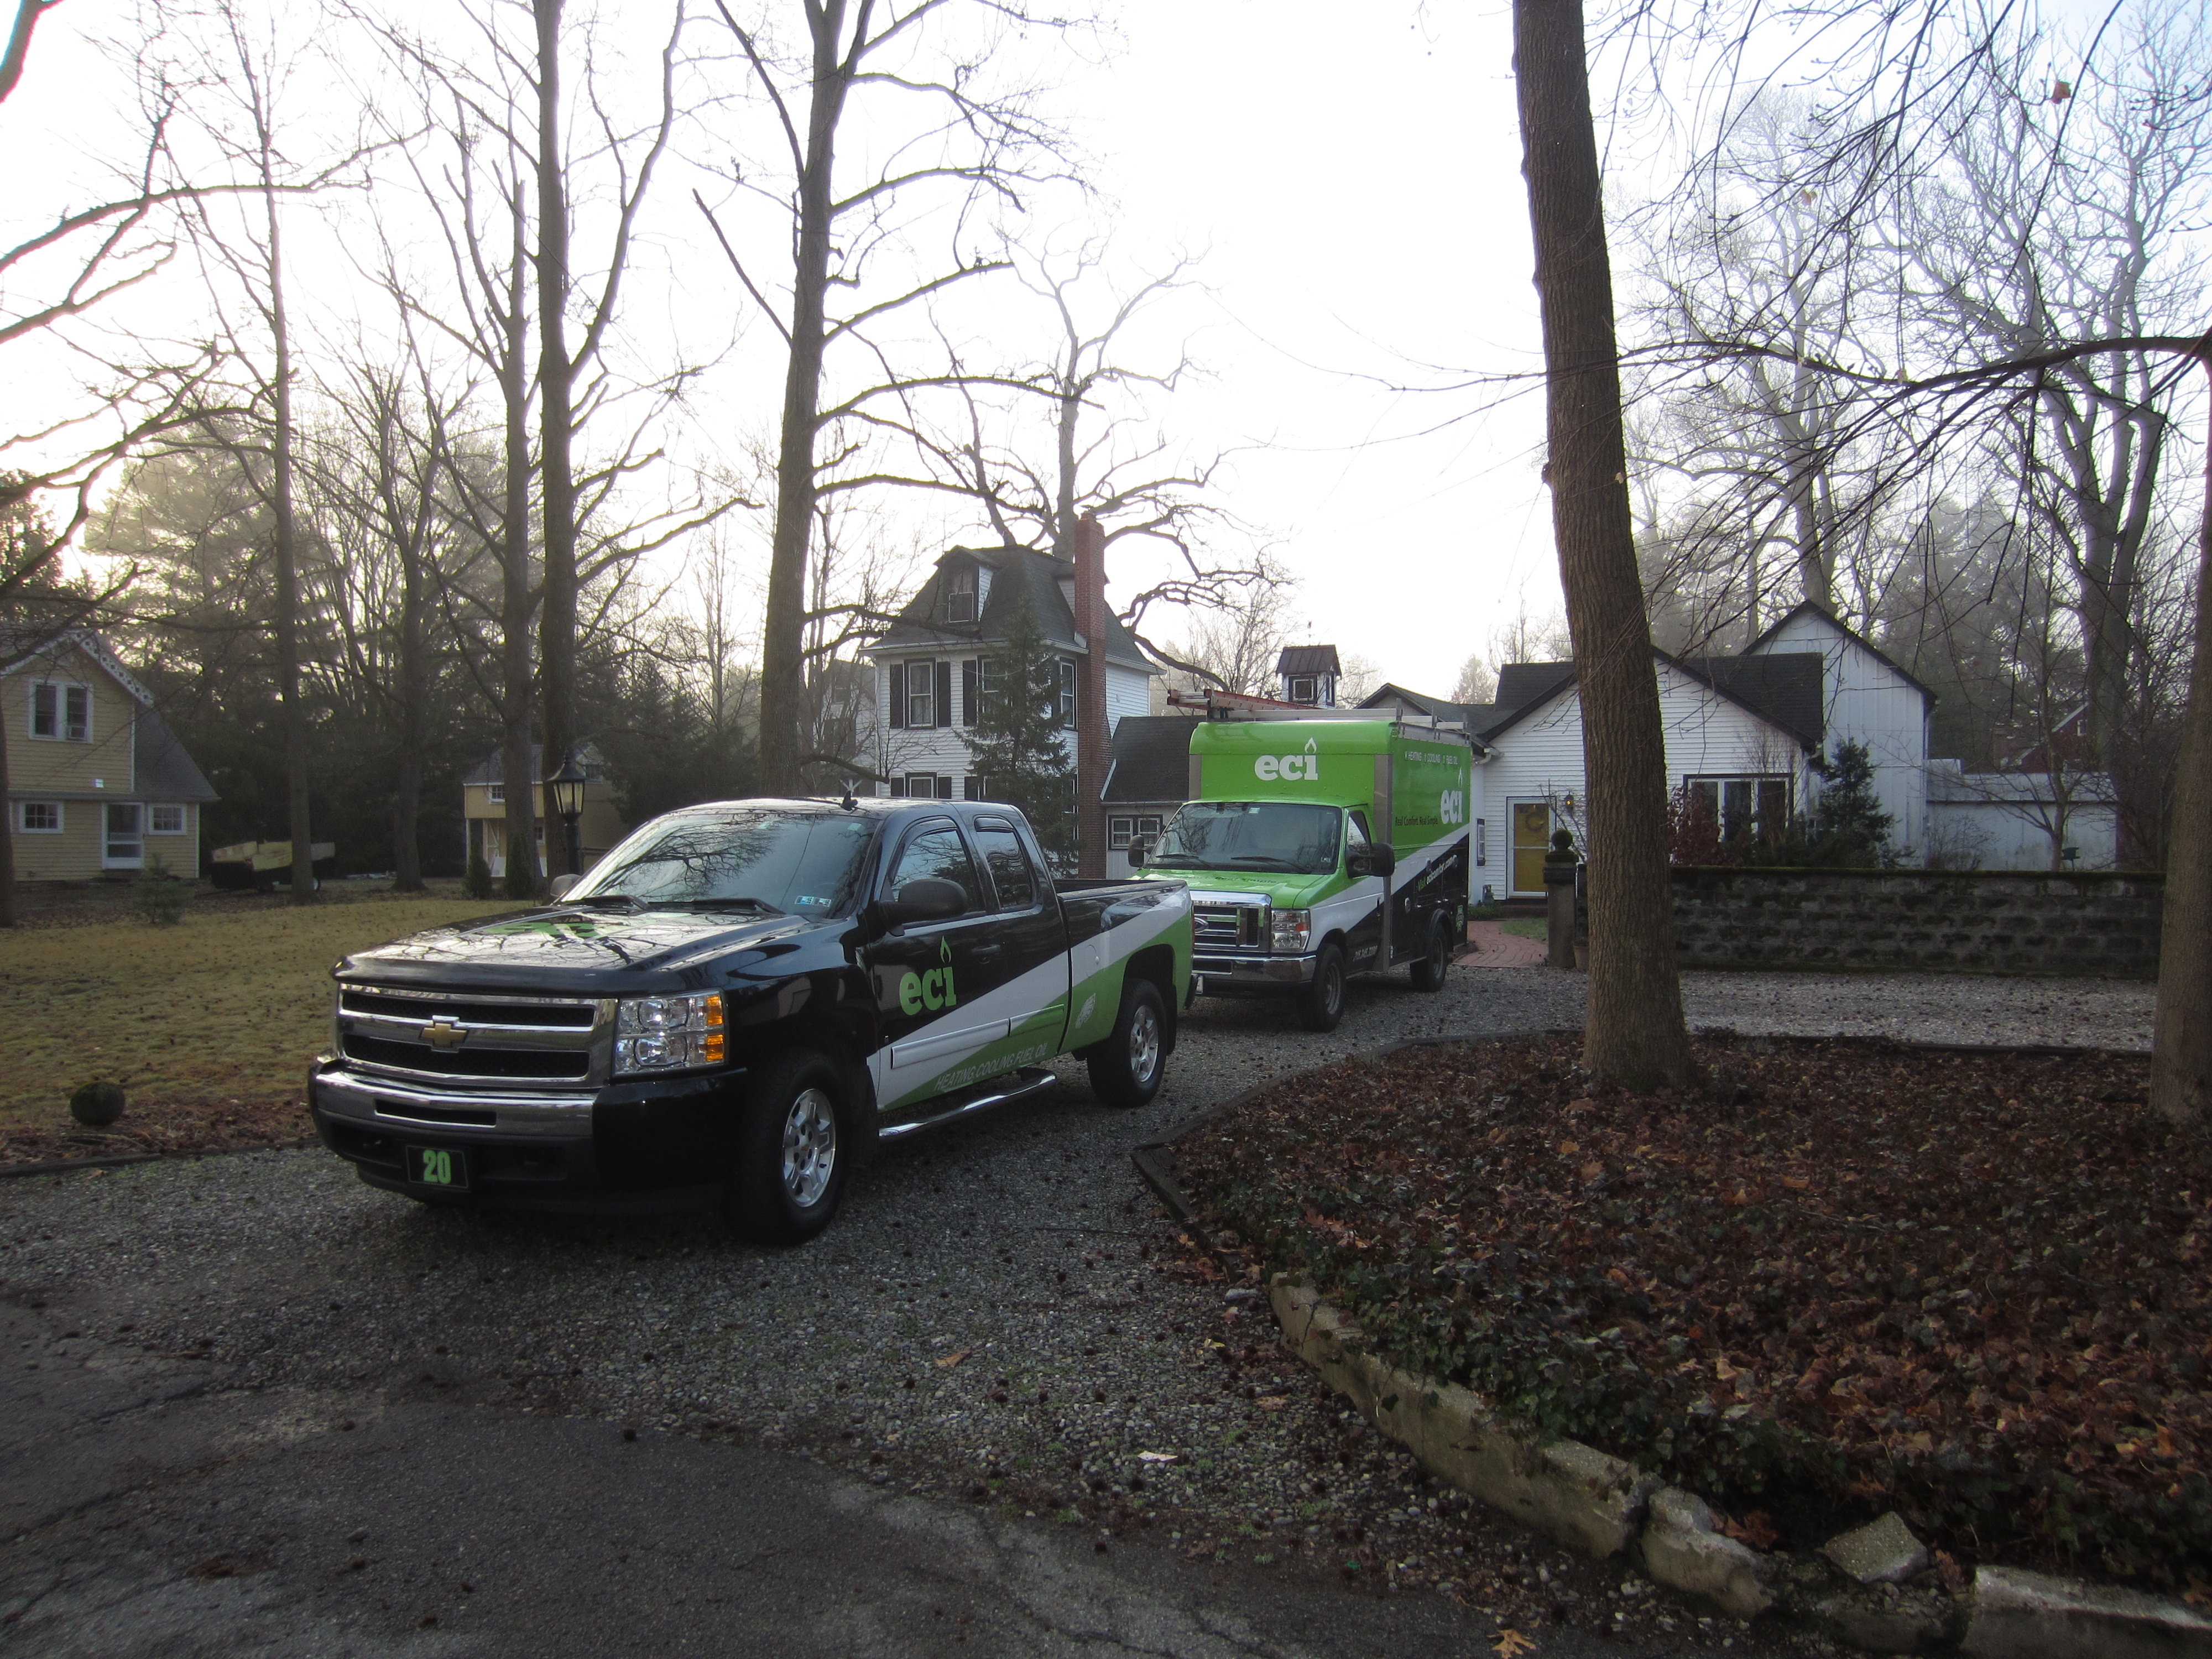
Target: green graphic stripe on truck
{"x": 1026, "y": 1021}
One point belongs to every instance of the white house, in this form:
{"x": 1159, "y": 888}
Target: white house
{"x": 1867, "y": 698}
{"x": 936, "y": 660}
{"x": 1740, "y": 729}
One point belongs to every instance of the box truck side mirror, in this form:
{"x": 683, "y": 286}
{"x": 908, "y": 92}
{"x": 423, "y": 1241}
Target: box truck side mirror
{"x": 1372, "y": 861}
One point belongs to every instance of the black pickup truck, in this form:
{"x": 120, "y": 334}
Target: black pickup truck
{"x": 738, "y": 1003}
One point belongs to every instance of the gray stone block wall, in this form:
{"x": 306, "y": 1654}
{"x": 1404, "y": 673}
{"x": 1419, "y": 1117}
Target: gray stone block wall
{"x": 2103, "y": 924}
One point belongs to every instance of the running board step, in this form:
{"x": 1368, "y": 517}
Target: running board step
{"x": 1028, "y": 1082}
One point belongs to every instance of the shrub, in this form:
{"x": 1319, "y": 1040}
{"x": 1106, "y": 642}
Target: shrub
{"x": 157, "y": 895}
{"x": 477, "y": 883}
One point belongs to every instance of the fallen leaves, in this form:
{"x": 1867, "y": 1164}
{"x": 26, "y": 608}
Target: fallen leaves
{"x": 951, "y": 1359}
{"x": 1511, "y": 1643}
{"x": 1985, "y": 1267}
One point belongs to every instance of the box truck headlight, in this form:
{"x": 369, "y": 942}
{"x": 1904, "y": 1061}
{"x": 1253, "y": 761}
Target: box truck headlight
{"x": 668, "y": 1033}
{"x": 1293, "y": 930}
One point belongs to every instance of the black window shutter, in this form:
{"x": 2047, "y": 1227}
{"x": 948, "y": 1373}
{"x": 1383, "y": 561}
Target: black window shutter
{"x": 899, "y": 786}
{"x": 898, "y": 694}
{"x": 945, "y": 787}
{"x": 968, "y": 692}
{"x": 945, "y": 691}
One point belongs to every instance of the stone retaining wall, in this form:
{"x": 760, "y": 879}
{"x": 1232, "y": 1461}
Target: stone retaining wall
{"x": 2102, "y": 924}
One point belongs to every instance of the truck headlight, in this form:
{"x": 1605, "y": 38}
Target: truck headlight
{"x": 1293, "y": 930}
{"x": 669, "y": 1034}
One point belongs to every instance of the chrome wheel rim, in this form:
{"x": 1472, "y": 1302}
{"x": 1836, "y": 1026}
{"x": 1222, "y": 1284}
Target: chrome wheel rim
{"x": 810, "y": 1147}
{"x": 1335, "y": 986}
{"x": 1144, "y": 1044}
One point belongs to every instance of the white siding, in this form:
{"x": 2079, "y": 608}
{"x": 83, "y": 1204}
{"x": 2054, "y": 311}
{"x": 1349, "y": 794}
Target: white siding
{"x": 1128, "y": 691}
{"x": 1870, "y": 702}
{"x": 1541, "y": 759}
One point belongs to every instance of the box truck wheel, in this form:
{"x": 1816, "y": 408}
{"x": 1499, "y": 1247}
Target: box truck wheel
{"x": 1429, "y": 971}
{"x": 1321, "y": 1004}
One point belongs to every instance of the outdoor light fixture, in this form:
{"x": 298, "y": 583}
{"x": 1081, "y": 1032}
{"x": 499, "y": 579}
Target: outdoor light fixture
{"x": 566, "y": 788}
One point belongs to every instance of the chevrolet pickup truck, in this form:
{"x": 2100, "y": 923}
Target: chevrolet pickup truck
{"x": 738, "y": 1003}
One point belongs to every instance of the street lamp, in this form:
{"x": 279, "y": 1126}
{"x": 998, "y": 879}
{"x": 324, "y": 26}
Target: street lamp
{"x": 566, "y": 787}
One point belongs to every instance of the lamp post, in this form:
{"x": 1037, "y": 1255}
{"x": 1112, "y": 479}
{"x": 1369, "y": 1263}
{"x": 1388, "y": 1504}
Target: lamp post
{"x": 566, "y": 787}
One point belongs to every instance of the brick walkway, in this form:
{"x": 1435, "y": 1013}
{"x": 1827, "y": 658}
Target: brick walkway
{"x": 1489, "y": 946}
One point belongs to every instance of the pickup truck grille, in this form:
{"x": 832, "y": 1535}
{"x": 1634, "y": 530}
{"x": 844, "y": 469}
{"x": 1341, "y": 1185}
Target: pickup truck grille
{"x": 1226, "y": 927}
{"x": 470, "y": 1036}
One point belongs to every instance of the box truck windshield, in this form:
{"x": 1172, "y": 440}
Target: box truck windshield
{"x": 1244, "y": 834}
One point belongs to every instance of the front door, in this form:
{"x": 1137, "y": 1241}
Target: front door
{"x": 934, "y": 980}
{"x": 1532, "y": 838}
{"x": 124, "y": 846}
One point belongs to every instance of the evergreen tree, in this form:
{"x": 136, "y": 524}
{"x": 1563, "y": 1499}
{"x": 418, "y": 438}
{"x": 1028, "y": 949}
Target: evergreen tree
{"x": 1846, "y": 828}
{"x": 1016, "y": 741}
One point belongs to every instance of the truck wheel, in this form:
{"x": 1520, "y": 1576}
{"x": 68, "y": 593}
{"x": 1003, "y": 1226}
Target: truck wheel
{"x": 791, "y": 1165}
{"x": 1321, "y": 1004}
{"x": 1429, "y": 972}
{"x": 1126, "y": 1069}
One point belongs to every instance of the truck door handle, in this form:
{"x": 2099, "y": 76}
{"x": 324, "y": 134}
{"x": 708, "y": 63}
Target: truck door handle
{"x": 985, "y": 952}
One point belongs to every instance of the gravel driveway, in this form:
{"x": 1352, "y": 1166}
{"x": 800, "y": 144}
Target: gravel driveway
{"x": 997, "y": 1315}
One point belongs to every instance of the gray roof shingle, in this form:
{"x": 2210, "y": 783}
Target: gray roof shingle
{"x": 1016, "y": 573}
{"x": 1152, "y": 760}
{"x": 163, "y": 770}
{"x": 1308, "y": 660}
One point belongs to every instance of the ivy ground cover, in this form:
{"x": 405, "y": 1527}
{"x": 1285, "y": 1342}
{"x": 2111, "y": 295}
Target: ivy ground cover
{"x": 1846, "y": 1276}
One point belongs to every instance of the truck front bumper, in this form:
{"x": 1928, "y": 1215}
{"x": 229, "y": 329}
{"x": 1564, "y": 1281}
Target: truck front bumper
{"x": 631, "y": 1147}
{"x": 1249, "y": 975}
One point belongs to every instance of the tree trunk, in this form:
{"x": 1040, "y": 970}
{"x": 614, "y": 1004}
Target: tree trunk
{"x": 556, "y": 617}
{"x": 287, "y": 567}
{"x": 2181, "y": 1044}
{"x": 515, "y": 768}
{"x": 783, "y": 646}
{"x": 407, "y": 805}
{"x": 1636, "y": 1035}
{"x": 8, "y": 831}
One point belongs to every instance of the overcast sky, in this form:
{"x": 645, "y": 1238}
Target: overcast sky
{"x": 1350, "y": 177}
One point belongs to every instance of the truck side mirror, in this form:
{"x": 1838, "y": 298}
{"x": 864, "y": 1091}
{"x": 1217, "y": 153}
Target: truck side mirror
{"x": 563, "y": 885}
{"x": 1372, "y": 861}
{"x": 1138, "y": 851}
{"x": 929, "y": 899}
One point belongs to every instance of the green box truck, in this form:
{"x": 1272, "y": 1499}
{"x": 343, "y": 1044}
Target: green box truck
{"x": 1316, "y": 849}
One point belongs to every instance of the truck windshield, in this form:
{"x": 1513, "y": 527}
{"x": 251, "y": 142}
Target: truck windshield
{"x": 802, "y": 863}
{"x": 1248, "y": 835}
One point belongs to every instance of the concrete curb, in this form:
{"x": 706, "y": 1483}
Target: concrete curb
{"x": 1590, "y": 1501}
{"x": 124, "y": 1160}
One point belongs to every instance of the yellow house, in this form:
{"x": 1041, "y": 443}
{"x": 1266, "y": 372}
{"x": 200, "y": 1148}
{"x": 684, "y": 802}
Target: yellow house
{"x": 483, "y": 810}
{"x": 97, "y": 783}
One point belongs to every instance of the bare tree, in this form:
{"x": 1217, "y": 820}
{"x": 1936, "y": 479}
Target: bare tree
{"x": 963, "y": 144}
{"x": 1636, "y": 1034}
{"x": 1235, "y": 646}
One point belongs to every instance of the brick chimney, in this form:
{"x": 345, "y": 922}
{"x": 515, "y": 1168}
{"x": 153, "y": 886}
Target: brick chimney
{"x": 1091, "y": 751}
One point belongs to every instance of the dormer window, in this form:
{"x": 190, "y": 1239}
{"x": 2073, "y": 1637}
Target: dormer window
{"x": 960, "y": 594}
{"x": 1302, "y": 691}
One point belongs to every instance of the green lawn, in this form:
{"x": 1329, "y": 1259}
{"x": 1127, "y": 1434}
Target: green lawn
{"x": 1534, "y": 928}
{"x": 228, "y": 1006}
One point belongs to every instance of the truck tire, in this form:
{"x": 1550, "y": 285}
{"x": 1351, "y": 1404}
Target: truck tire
{"x": 1429, "y": 971}
{"x": 1126, "y": 1068}
{"x": 1321, "y": 1003}
{"x": 791, "y": 1159}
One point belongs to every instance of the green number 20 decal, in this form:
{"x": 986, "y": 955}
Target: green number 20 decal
{"x": 437, "y": 1167}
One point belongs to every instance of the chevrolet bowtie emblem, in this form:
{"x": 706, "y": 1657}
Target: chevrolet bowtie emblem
{"x": 442, "y": 1034}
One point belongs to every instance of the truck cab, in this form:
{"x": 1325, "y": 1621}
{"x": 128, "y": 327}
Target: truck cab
{"x": 1316, "y": 849}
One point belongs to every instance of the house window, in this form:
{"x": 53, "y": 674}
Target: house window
{"x": 496, "y": 792}
{"x": 924, "y": 785}
{"x": 1067, "y": 691}
{"x": 1121, "y": 831}
{"x": 1301, "y": 690}
{"x": 61, "y": 711}
{"x": 1742, "y": 807}
{"x": 960, "y": 594}
{"x": 39, "y": 817}
{"x": 165, "y": 820}
{"x": 920, "y": 694}
{"x": 1481, "y": 841}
